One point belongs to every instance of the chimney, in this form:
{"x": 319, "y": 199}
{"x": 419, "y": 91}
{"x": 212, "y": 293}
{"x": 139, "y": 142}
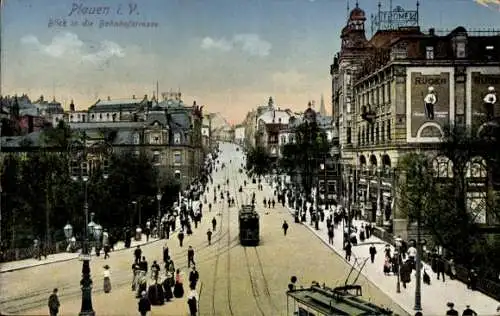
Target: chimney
{"x": 432, "y": 32}
{"x": 72, "y": 106}
{"x": 109, "y": 98}
{"x": 133, "y": 96}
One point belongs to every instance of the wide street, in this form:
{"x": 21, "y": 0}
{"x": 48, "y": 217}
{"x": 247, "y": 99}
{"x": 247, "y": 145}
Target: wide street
{"x": 234, "y": 280}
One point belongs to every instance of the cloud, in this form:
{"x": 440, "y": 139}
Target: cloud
{"x": 69, "y": 45}
{"x": 487, "y": 3}
{"x": 253, "y": 44}
{"x": 249, "y": 43}
{"x": 218, "y": 44}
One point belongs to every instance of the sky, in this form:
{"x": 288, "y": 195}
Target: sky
{"x": 229, "y": 55}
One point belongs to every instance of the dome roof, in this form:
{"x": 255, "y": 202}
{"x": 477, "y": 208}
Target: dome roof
{"x": 357, "y": 14}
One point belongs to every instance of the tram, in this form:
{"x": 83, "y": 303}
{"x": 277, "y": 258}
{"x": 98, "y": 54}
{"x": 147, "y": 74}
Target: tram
{"x": 324, "y": 301}
{"x": 249, "y": 226}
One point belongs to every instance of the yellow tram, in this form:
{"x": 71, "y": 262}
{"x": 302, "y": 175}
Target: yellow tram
{"x": 324, "y": 301}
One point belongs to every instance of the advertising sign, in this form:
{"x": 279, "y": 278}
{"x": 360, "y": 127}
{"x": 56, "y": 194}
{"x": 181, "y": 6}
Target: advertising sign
{"x": 484, "y": 98}
{"x": 430, "y": 102}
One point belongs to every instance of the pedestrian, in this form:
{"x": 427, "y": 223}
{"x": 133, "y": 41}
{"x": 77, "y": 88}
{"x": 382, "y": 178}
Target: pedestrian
{"x": 155, "y": 271}
{"x": 144, "y": 304}
{"x": 209, "y": 236}
{"x": 107, "y": 280}
{"x": 348, "y": 251}
{"x": 54, "y": 303}
{"x": 194, "y": 276}
{"x": 165, "y": 253}
{"x": 472, "y": 280}
{"x": 178, "y": 287}
{"x": 285, "y": 227}
{"x": 190, "y": 254}
{"x": 210, "y": 207}
{"x": 135, "y": 274}
{"x": 214, "y": 224}
{"x": 107, "y": 248}
{"x": 373, "y": 252}
{"x": 330, "y": 235}
{"x": 469, "y": 312}
{"x": 147, "y": 232}
{"x": 181, "y": 237}
{"x": 143, "y": 265}
{"x": 137, "y": 254}
{"x": 192, "y": 301}
{"x": 440, "y": 267}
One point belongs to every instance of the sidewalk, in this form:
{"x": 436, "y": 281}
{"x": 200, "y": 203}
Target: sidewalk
{"x": 64, "y": 256}
{"x": 434, "y": 296}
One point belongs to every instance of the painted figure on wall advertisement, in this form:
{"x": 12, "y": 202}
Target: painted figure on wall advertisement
{"x": 489, "y": 103}
{"x": 484, "y": 97}
{"x": 429, "y": 100}
{"x": 430, "y": 103}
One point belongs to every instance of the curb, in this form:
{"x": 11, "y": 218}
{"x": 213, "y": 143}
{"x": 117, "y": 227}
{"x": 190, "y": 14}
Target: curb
{"x": 43, "y": 263}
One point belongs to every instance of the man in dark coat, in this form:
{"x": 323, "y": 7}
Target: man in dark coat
{"x": 54, "y": 303}
{"x": 194, "y": 276}
{"x": 165, "y": 254}
{"x": 190, "y": 256}
{"x": 143, "y": 265}
{"x": 137, "y": 254}
{"x": 285, "y": 227}
{"x": 144, "y": 304}
{"x": 181, "y": 237}
{"x": 373, "y": 252}
{"x": 214, "y": 224}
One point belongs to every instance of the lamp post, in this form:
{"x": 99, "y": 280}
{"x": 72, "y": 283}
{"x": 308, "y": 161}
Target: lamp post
{"x": 135, "y": 212}
{"x": 418, "y": 259}
{"x": 80, "y": 171}
{"x": 158, "y": 198}
{"x": 397, "y": 253}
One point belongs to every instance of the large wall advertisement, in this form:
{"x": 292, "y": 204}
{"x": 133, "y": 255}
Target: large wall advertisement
{"x": 481, "y": 86}
{"x": 428, "y": 103}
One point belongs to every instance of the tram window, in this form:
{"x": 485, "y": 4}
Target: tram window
{"x": 303, "y": 312}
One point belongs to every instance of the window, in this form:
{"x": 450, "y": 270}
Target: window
{"x": 177, "y": 158}
{"x": 476, "y": 168}
{"x": 372, "y": 136}
{"x": 389, "y": 130}
{"x": 429, "y": 52}
{"x": 443, "y": 167}
{"x": 377, "y": 131}
{"x": 476, "y": 205}
{"x": 177, "y": 174}
{"x": 137, "y": 138}
{"x": 460, "y": 50}
{"x": 359, "y": 136}
{"x": 156, "y": 157}
{"x": 283, "y": 139}
{"x": 154, "y": 139}
{"x": 382, "y": 132}
{"x": 290, "y": 139}
{"x": 348, "y": 134}
{"x": 177, "y": 138}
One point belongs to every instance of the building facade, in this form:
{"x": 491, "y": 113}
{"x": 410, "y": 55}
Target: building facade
{"x": 407, "y": 88}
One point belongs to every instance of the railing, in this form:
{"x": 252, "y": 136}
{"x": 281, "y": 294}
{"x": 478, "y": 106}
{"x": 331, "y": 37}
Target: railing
{"x": 27, "y": 253}
{"x": 486, "y": 286}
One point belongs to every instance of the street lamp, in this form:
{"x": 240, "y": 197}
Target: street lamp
{"x": 158, "y": 197}
{"x": 80, "y": 171}
{"x": 397, "y": 253}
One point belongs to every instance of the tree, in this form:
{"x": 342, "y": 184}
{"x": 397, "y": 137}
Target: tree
{"x": 436, "y": 187}
{"x": 303, "y": 156}
{"x": 258, "y": 161}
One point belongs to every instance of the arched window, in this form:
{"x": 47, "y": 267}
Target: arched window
{"x": 476, "y": 168}
{"x": 443, "y": 167}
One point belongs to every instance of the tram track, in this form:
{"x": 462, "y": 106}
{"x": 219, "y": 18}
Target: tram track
{"x": 256, "y": 277}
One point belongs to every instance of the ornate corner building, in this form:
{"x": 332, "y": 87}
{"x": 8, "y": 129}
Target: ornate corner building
{"x": 396, "y": 92}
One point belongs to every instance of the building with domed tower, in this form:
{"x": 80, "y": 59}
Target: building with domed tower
{"x": 395, "y": 93}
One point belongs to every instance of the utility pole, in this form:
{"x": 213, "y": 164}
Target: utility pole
{"x": 47, "y": 212}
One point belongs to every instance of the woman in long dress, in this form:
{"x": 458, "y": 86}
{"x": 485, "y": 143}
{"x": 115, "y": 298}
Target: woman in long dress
{"x": 178, "y": 287}
{"x": 107, "y": 280}
{"x": 167, "y": 286}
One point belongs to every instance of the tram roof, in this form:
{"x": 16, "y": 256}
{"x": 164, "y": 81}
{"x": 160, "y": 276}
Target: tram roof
{"x": 329, "y": 302}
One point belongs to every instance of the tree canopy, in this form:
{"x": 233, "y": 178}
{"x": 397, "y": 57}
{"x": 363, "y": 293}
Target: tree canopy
{"x": 258, "y": 161}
